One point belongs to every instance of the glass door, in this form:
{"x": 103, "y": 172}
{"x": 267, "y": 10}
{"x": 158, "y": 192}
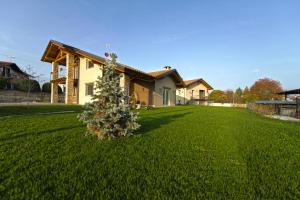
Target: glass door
{"x": 166, "y": 96}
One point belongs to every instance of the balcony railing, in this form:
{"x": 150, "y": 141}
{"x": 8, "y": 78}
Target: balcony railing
{"x": 6, "y": 75}
{"x": 199, "y": 98}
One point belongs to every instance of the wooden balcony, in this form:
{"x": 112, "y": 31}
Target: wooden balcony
{"x": 60, "y": 80}
{"x": 199, "y": 98}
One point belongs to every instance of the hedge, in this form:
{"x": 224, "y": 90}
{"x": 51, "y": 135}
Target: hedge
{"x": 47, "y": 88}
{"x": 3, "y": 83}
{"x": 23, "y": 85}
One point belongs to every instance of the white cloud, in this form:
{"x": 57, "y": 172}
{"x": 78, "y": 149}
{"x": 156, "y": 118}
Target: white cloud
{"x": 256, "y": 70}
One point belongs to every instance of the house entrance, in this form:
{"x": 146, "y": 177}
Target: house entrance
{"x": 166, "y": 97}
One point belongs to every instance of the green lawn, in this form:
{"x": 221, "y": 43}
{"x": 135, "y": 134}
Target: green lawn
{"x": 27, "y": 110}
{"x": 181, "y": 152}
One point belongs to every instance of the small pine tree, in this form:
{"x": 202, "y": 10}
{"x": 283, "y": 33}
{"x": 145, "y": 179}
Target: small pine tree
{"x": 108, "y": 115}
{"x": 238, "y": 95}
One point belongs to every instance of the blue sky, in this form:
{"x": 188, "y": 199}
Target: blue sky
{"x": 228, "y": 43}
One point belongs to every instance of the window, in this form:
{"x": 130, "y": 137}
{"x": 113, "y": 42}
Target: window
{"x": 160, "y": 91}
{"x": 2, "y": 71}
{"x": 90, "y": 64}
{"x": 201, "y": 94}
{"x": 74, "y": 91}
{"x": 89, "y": 89}
{"x": 166, "y": 99}
{"x": 64, "y": 89}
{"x": 75, "y": 75}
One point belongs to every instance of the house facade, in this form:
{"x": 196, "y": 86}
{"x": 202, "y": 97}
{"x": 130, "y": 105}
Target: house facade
{"x": 194, "y": 92}
{"x": 12, "y": 73}
{"x": 77, "y": 71}
{"x": 166, "y": 82}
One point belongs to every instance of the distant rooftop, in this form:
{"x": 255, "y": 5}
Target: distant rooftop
{"x": 13, "y": 66}
{"x": 277, "y": 102}
{"x": 295, "y": 91}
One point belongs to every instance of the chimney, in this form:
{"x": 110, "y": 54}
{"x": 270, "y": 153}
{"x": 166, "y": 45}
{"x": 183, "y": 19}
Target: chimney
{"x": 168, "y": 67}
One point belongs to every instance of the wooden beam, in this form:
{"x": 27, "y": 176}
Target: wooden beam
{"x": 60, "y": 59}
{"x": 58, "y": 55}
{"x": 61, "y": 80}
{"x": 47, "y": 51}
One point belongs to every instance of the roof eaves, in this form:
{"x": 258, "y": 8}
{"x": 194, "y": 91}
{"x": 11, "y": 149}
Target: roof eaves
{"x": 121, "y": 67}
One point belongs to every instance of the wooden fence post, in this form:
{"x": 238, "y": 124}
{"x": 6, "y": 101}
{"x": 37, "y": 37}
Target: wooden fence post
{"x": 298, "y": 108}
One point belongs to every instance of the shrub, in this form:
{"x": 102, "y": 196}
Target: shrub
{"x": 3, "y": 83}
{"x": 261, "y": 108}
{"x": 23, "y": 85}
{"x": 47, "y": 88}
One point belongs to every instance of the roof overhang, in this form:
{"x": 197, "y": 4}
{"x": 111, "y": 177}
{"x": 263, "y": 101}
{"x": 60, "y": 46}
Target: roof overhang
{"x": 206, "y": 84}
{"x": 200, "y": 80}
{"x": 287, "y": 92}
{"x": 56, "y": 50}
{"x": 174, "y": 75}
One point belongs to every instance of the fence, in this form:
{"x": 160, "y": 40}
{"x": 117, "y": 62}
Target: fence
{"x": 226, "y": 104}
{"x": 12, "y": 96}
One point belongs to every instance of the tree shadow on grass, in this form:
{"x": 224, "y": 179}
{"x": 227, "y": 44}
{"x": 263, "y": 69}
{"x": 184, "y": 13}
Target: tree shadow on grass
{"x": 167, "y": 112}
{"x": 42, "y": 132}
{"x": 151, "y": 123}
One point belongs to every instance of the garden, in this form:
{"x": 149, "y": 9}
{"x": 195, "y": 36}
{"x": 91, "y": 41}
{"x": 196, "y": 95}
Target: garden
{"x": 179, "y": 152}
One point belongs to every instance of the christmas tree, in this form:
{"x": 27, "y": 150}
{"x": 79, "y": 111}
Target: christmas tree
{"x": 108, "y": 115}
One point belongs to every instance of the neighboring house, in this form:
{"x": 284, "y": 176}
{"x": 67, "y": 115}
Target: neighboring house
{"x": 77, "y": 71}
{"x": 12, "y": 73}
{"x": 194, "y": 92}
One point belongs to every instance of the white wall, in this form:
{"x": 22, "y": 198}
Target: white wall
{"x": 185, "y": 94}
{"x": 160, "y": 84}
{"x": 181, "y": 96}
{"x": 226, "y": 105}
{"x": 196, "y": 87}
{"x": 87, "y": 75}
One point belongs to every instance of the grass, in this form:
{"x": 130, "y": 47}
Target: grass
{"x": 180, "y": 152}
{"x": 34, "y": 109}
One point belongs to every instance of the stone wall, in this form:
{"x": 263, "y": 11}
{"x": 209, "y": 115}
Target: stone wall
{"x": 12, "y": 96}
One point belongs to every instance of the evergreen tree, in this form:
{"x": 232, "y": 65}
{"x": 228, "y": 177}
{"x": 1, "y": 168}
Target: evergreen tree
{"x": 247, "y": 96}
{"x": 238, "y": 96}
{"x": 108, "y": 116}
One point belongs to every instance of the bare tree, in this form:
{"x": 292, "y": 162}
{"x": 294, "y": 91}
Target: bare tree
{"x": 31, "y": 76}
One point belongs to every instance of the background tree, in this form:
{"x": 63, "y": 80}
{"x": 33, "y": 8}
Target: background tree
{"x": 108, "y": 115}
{"x": 229, "y": 96}
{"x": 28, "y": 85}
{"x": 3, "y": 83}
{"x": 266, "y": 89}
{"x": 47, "y": 88}
{"x": 238, "y": 96}
{"x": 248, "y": 96}
{"x": 217, "y": 96}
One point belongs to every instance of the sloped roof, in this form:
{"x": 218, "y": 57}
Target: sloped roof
{"x": 189, "y": 82}
{"x": 279, "y": 102}
{"x": 60, "y": 46}
{"x": 12, "y": 66}
{"x": 167, "y": 72}
{"x": 295, "y": 91}
{"x": 159, "y": 73}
